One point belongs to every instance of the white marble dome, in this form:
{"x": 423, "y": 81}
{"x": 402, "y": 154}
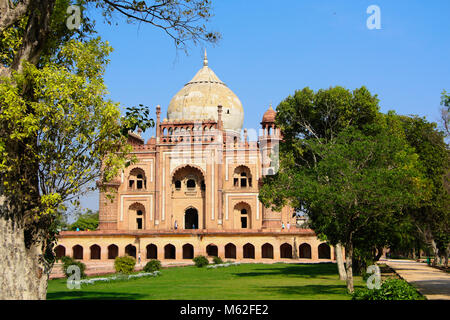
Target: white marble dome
{"x": 199, "y": 98}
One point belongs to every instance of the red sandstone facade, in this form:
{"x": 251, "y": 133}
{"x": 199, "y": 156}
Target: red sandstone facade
{"x": 194, "y": 191}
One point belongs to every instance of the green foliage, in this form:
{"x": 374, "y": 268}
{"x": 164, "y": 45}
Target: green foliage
{"x": 137, "y": 117}
{"x": 445, "y": 112}
{"x": 124, "y": 264}
{"x": 68, "y": 261}
{"x": 348, "y": 167}
{"x": 75, "y": 128}
{"x": 152, "y": 265}
{"x": 200, "y": 261}
{"x": 86, "y": 221}
{"x": 362, "y": 179}
{"x": 432, "y": 217}
{"x": 217, "y": 260}
{"x": 323, "y": 114}
{"x": 10, "y": 42}
{"x": 391, "y": 289}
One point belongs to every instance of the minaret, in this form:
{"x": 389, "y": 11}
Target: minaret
{"x": 220, "y": 165}
{"x": 157, "y": 166}
{"x": 267, "y": 142}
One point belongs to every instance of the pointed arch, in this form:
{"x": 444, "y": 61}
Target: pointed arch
{"x": 267, "y": 251}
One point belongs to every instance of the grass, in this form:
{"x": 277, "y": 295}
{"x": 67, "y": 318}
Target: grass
{"x": 245, "y": 281}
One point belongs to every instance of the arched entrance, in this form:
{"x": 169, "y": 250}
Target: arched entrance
{"x": 113, "y": 251}
{"x": 188, "y": 251}
{"x": 286, "y": 251}
{"x": 230, "y": 251}
{"x": 169, "y": 251}
{"x": 267, "y": 251}
{"x": 242, "y": 215}
{"x": 191, "y": 218}
{"x": 305, "y": 251}
{"x": 137, "y": 216}
{"x": 95, "y": 252}
{"x": 60, "y": 251}
{"x": 130, "y": 250}
{"x": 212, "y": 250}
{"x": 152, "y": 251}
{"x": 249, "y": 251}
{"x": 77, "y": 252}
{"x": 324, "y": 251}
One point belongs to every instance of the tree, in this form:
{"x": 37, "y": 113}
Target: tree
{"x": 445, "y": 112}
{"x": 44, "y": 29}
{"x": 58, "y": 132}
{"x": 322, "y": 115}
{"x": 346, "y": 165}
{"x": 431, "y": 218}
{"x": 85, "y": 221}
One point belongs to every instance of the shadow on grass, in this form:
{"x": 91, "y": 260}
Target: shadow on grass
{"x": 93, "y": 295}
{"x": 311, "y": 290}
{"x": 298, "y": 270}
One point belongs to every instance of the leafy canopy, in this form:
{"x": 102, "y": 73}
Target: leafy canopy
{"x": 69, "y": 128}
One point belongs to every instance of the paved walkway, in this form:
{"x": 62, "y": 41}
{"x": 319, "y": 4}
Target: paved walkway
{"x": 431, "y": 282}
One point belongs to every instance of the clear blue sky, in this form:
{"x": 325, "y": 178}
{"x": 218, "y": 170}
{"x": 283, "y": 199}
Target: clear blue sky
{"x": 271, "y": 48}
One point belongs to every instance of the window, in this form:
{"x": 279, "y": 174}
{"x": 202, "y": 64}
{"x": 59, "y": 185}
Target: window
{"x": 242, "y": 213}
{"x": 190, "y": 184}
{"x": 137, "y": 179}
{"x": 242, "y": 177}
{"x": 243, "y": 222}
{"x": 140, "y": 181}
{"x": 139, "y": 223}
{"x": 139, "y": 213}
{"x": 178, "y": 184}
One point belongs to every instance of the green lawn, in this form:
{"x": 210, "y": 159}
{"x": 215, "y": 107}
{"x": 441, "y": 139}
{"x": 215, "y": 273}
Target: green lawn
{"x": 246, "y": 281}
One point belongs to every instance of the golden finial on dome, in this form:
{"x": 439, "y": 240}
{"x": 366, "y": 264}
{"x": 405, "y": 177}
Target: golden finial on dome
{"x": 205, "y": 60}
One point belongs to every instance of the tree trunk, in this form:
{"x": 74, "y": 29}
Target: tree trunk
{"x": 378, "y": 254}
{"x": 295, "y": 255}
{"x": 340, "y": 261}
{"x": 446, "y": 257}
{"x": 349, "y": 267}
{"x": 435, "y": 252}
{"x": 23, "y": 271}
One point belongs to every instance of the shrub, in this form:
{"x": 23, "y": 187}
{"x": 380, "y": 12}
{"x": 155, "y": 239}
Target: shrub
{"x": 217, "y": 260}
{"x": 124, "y": 264}
{"x": 200, "y": 261}
{"x": 152, "y": 265}
{"x": 68, "y": 261}
{"x": 391, "y": 289}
